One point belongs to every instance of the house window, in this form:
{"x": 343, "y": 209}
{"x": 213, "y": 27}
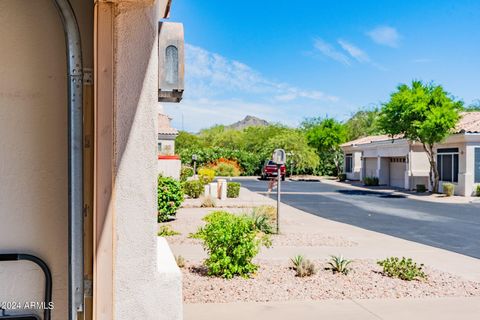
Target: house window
{"x": 477, "y": 165}
{"x": 348, "y": 162}
{"x": 171, "y": 64}
{"x": 447, "y": 164}
{"x": 159, "y": 148}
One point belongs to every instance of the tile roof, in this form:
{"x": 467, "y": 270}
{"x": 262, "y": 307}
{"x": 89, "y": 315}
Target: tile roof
{"x": 164, "y": 126}
{"x": 370, "y": 139}
{"x": 469, "y": 123}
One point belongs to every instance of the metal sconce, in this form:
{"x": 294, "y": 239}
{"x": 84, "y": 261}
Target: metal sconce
{"x": 171, "y": 65}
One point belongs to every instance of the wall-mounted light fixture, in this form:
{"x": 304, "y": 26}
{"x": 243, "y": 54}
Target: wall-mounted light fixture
{"x": 171, "y": 65}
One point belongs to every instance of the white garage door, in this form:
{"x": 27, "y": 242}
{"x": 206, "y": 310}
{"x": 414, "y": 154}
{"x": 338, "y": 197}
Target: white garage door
{"x": 397, "y": 172}
{"x": 370, "y": 167}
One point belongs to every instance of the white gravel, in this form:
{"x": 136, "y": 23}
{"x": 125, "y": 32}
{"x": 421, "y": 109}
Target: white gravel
{"x": 276, "y": 282}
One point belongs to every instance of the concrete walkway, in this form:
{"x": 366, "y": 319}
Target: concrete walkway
{"x": 388, "y": 309}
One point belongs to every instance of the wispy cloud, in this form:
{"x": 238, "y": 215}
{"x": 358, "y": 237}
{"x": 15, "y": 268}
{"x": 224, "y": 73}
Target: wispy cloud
{"x": 385, "y": 35}
{"x": 354, "y": 51}
{"x": 210, "y": 74}
{"x": 358, "y": 54}
{"x": 219, "y": 90}
{"x": 329, "y": 51}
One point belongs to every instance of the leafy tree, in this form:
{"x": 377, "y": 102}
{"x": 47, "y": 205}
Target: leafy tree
{"x": 326, "y": 135}
{"x": 301, "y": 157}
{"x": 186, "y": 140}
{"x": 363, "y": 123}
{"x": 421, "y": 112}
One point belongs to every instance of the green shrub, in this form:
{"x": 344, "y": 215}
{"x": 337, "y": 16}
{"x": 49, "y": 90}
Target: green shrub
{"x": 421, "y": 188}
{"x": 371, "y": 181}
{"x": 169, "y": 197}
{"x": 404, "y": 269}
{"x": 167, "y": 231}
{"x": 303, "y": 267}
{"x": 448, "y": 189}
{"x": 206, "y": 175}
{"x": 233, "y": 189}
{"x": 339, "y": 264}
{"x": 231, "y": 242}
{"x": 225, "y": 170}
{"x": 186, "y": 172}
{"x": 342, "y": 177}
{"x": 478, "y": 190}
{"x": 193, "y": 188}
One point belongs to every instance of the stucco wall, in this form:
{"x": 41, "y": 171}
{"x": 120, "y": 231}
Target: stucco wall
{"x": 33, "y": 150}
{"x": 142, "y": 290}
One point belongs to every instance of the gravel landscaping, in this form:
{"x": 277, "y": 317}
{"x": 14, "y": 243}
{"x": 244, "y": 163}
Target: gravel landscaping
{"x": 276, "y": 282}
{"x": 288, "y": 239}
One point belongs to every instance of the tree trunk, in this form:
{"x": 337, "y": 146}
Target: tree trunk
{"x": 434, "y": 176}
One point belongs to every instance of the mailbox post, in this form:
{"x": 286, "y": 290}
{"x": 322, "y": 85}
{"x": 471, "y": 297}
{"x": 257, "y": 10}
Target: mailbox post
{"x": 279, "y": 158}
{"x": 194, "y": 159}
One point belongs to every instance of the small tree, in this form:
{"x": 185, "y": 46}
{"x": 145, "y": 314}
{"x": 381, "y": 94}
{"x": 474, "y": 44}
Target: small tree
{"x": 326, "y": 135}
{"x": 424, "y": 113}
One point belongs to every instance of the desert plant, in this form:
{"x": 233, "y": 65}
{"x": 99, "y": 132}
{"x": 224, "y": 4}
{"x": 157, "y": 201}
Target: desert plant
{"x": 342, "y": 177}
{"x": 231, "y": 242}
{"x": 478, "y": 190}
{"x": 404, "y": 269}
{"x": 206, "y": 175}
{"x": 448, "y": 189}
{"x": 169, "y": 197}
{"x": 167, "y": 231}
{"x": 269, "y": 211}
{"x": 303, "y": 267}
{"x": 233, "y": 189}
{"x": 262, "y": 223}
{"x": 208, "y": 202}
{"x": 193, "y": 188}
{"x": 371, "y": 181}
{"x": 180, "y": 261}
{"x": 421, "y": 188}
{"x": 185, "y": 173}
{"x": 338, "y": 264}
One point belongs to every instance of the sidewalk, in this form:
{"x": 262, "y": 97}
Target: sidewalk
{"x": 388, "y": 309}
{"x": 439, "y": 198}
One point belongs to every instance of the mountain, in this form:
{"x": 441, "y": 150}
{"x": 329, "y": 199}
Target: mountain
{"x": 248, "y": 121}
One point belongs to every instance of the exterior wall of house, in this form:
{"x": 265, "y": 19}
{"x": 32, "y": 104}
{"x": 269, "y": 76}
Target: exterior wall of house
{"x": 384, "y": 172}
{"x": 370, "y": 167}
{"x": 143, "y": 289}
{"x": 33, "y": 144}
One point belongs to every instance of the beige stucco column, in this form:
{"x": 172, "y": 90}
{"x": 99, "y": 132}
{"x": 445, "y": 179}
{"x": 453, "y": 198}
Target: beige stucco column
{"x": 135, "y": 273}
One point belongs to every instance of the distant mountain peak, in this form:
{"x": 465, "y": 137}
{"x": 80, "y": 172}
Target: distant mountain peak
{"x": 248, "y": 121}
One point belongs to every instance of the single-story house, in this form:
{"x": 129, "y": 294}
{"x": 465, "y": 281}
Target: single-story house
{"x": 169, "y": 163}
{"x": 401, "y": 163}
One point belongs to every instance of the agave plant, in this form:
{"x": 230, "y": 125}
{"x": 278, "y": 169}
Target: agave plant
{"x": 339, "y": 264}
{"x": 262, "y": 223}
{"x": 303, "y": 267}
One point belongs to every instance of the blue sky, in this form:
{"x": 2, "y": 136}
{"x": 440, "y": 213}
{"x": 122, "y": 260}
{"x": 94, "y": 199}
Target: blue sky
{"x": 286, "y": 60}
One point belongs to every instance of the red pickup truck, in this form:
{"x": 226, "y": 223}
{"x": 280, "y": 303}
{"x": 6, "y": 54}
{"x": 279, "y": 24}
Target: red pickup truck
{"x": 269, "y": 169}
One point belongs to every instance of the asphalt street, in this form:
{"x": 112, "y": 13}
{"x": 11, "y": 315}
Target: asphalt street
{"x": 454, "y": 227}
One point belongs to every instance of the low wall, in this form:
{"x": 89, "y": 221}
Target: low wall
{"x": 170, "y": 168}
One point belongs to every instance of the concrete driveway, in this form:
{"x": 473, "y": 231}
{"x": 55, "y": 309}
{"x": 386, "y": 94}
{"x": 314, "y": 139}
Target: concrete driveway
{"x": 454, "y": 227}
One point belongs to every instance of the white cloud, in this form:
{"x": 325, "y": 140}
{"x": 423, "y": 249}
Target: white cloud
{"x": 219, "y": 90}
{"x": 354, "y": 51}
{"x": 330, "y": 52}
{"x": 210, "y": 74}
{"x": 385, "y": 35}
